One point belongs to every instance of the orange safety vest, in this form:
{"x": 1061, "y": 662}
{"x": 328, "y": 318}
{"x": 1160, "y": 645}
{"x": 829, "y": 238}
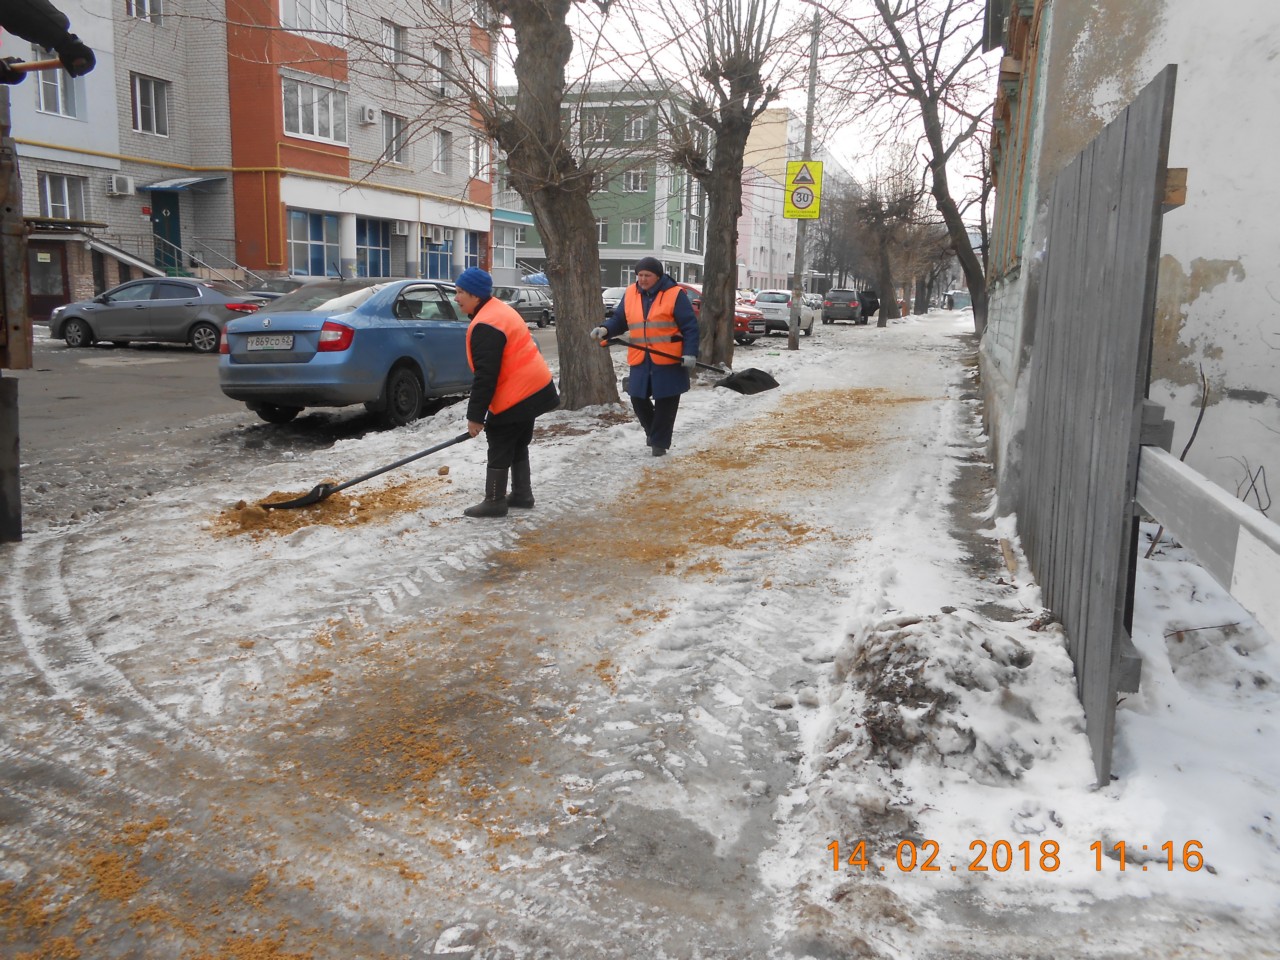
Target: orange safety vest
{"x": 524, "y": 371}
{"x": 658, "y": 332}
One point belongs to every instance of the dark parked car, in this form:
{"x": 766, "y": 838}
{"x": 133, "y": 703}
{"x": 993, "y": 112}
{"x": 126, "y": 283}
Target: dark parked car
{"x": 275, "y": 287}
{"x": 612, "y": 297}
{"x": 388, "y": 344}
{"x": 534, "y": 303}
{"x": 843, "y": 305}
{"x": 157, "y": 309}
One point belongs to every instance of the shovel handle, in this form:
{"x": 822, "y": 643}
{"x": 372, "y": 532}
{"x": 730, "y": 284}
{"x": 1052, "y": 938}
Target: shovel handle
{"x": 29, "y": 66}
{"x": 659, "y": 353}
{"x": 399, "y": 463}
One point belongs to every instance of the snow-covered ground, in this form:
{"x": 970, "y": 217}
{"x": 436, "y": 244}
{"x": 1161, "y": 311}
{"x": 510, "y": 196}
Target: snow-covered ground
{"x": 763, "y": 697}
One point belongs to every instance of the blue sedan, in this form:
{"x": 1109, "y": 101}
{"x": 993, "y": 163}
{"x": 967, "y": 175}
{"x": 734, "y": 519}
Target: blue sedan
{"x": 388, "y": 344}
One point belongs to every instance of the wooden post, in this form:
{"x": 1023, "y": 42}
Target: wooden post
{"x": 15, "y": 330}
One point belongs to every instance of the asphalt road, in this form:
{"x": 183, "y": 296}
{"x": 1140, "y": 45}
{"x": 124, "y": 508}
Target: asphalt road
{"x": 102, "y": 426}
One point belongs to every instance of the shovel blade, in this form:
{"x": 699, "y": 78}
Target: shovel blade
{"x": 750, "y": 380}
{"x": 317, "y": 493}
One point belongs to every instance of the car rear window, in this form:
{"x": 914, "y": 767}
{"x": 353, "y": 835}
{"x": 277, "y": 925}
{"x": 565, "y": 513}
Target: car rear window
{"x": 326, "y": 295}
{"x": 846, "y": 295}
{"x": 769, "y": 297}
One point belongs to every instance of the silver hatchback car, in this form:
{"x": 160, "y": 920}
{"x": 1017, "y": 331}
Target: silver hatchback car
{"x": 156, "y": 309}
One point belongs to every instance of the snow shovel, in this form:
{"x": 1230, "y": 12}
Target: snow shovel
{"x": 750, "y": 380}
{"x": 325, "y": 490}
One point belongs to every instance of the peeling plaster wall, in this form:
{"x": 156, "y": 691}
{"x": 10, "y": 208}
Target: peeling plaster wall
{"x": 1218, "y": 298}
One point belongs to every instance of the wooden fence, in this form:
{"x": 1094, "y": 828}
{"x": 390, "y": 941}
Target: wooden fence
{"x": 1088, "y": 376}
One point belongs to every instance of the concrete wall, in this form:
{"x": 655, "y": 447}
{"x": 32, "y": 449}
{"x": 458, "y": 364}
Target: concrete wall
{"x": 1218, "y": 300}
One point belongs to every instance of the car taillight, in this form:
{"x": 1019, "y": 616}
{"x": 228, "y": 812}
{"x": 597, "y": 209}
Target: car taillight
{"x": 826, "y": 303}
{"x": 223, "y": 346}
{"x": 242, "y": 307}
{"x": 335, "y": 336}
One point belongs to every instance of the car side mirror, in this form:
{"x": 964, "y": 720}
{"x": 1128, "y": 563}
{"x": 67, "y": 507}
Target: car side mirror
{"x": 102, "y": 298}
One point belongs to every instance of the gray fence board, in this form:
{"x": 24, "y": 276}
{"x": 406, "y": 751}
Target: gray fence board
{"x": 1088, "y": 377}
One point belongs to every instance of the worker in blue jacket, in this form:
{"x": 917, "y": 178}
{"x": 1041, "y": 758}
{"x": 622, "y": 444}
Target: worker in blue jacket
{"x": 655, "y": 313}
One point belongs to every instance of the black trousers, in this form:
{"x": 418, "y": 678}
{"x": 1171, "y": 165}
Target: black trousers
{"x": 658, "y": 417}
{"x": 508, "y": 443}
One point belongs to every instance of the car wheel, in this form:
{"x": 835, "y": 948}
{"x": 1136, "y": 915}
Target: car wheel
{"x": 403, "y": 397}
{"x": 204, "y": 338}
{"x": 808, "y": 331}
{"x": 272, "y": 413}
{"x": 77, "y": 333}
{"x": 542, "y": 321}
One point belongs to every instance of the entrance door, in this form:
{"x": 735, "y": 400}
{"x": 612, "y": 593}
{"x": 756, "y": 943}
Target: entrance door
{"x": 167, "y": 230}
{"x": 47, "y": 278}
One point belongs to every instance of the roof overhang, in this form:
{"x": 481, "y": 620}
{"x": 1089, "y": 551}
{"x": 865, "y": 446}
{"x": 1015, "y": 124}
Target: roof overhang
{"x": 183, "y": 183}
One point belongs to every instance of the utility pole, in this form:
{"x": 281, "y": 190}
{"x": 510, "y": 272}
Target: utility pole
{"x": 15, "y": 331}
{"x": 802, "y": 231}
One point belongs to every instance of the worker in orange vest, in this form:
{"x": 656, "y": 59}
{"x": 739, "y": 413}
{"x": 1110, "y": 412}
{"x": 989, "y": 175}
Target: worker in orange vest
{"x": 513, "y": 386}
{"x": 657, "y": 313}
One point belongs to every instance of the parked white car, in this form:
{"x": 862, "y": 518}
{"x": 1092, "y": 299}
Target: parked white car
{"x": 776, "y": 307}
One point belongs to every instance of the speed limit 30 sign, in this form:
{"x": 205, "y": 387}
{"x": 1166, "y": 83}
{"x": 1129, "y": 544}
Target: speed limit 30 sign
{"x": 802, "y": 197}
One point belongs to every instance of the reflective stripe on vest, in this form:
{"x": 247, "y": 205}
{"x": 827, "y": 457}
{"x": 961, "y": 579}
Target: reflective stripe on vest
{"x": 659, "y": 331}
{"x": 524, "y": 371}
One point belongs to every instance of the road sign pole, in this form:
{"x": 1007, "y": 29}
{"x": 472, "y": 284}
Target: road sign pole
{"x": 802, "y": 228}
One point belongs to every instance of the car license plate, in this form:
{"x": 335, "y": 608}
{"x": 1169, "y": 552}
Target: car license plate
{"x": 270, "y": 341}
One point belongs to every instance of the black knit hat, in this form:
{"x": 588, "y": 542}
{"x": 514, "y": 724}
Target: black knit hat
{"x": 652, "y": 264}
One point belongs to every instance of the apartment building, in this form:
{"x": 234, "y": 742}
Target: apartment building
{"x": 251, "y": 138}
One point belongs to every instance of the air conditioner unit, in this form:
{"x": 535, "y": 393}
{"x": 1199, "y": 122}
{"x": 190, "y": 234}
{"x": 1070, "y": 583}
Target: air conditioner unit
{"x": 368, "y": 115}
{"x": 437, "y": 235}
{"x": 120, "y": 186}
{"x": 402, "y": 228}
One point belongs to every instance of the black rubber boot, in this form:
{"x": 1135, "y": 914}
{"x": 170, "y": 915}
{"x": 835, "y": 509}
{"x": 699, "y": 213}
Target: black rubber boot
{"x": 521, "y": 486}
{"x": 494, "y": 503}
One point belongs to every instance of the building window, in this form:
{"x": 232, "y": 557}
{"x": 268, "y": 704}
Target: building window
{"x": 373, "y": 247}
{"x": 393, "y": 138}
{"x": 695, "y": 234}
{"x": 315, "y": 16}
{"x": 313, "y": 244}
{"x": 61, "y": 197}
{"x": 635, "y": 129}
{"x": 471, "y": 256}
{"x": 149, "y": 10}
{"x": 436, "y": 259}
{"x": 673, "y": 232}
{"x": 150, "y": 104}
{"x": 602, "y": 229}
{"x": 440, "y": 82}
{"x": 635, "y": 181}
{"x": 633, "y": 231}
{"x": 442, "y": 152}
{"x": 314, "y": 112}
{"x": 480, "y": 71}
{"x": 395, "y": 42}
{"x": 504, "y": 246}
{"x": 478, "y": 160}
{"x": 593, "y": 127}
{"x": 56, "y": 90}
{"x": 521, "y": 235}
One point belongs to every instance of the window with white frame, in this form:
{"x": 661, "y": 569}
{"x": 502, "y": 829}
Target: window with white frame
{"x": 478, "y": 158}
{"x": 149, "y": 10}
{"x": 480, "y": 70}
{"x": 521, "y": 233}
{"x": 635, "y": 181}
{"x": 395, "y": 42}
{"x": 313, "y": 243}
{"x": 150, "y": 104}
{"x": 504, "y": 245}
{"x": 442, "y": 152}
{"x": 393, "y": 138}
{"x": 325, "y": 17}
{"x": 633, "y": 230}
{"x": 314, "y": 112}
{"x": 602, "y": 229}
{"x": 373, "y": 247}
{"x": 594, "y": 127}
{"x": 673, "y": 232}
{"x": 695, "y": 234}
{"x": 442, "y": 70}
{"x": 61, "y": 197}
{"x": 677, "y": 184}
{"x": 635, "y": 129}
{"x": 56, "y": 90}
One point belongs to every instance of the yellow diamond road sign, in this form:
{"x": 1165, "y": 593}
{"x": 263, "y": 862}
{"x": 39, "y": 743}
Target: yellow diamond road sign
{"x": 802, "y": 195}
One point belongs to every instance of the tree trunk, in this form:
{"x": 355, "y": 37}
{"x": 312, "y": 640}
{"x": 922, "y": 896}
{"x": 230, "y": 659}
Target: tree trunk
{"x": 720, "y": 274}
{"x": 545, "y": 173}
{"x": 888, "y": 290}
{"x": 921, "y": 297}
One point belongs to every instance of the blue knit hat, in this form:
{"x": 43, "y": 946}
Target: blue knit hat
{"x": 476, "y": 282}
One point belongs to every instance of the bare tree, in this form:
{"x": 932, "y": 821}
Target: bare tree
{"x": 725, "y": 48}
{"x": 888, "y": 212}
{"x": 921, "y": 61}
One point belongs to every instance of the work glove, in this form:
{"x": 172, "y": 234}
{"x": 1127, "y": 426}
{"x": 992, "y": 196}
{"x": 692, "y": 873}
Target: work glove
{"x": 8, "y": 74}
{"x": 599, "y": 333}
{"x": 77, "y": 59}
{"x": 689, "y": 362}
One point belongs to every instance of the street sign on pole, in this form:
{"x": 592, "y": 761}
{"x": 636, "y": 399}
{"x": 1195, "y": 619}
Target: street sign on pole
{"x": 802, "y": 193}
